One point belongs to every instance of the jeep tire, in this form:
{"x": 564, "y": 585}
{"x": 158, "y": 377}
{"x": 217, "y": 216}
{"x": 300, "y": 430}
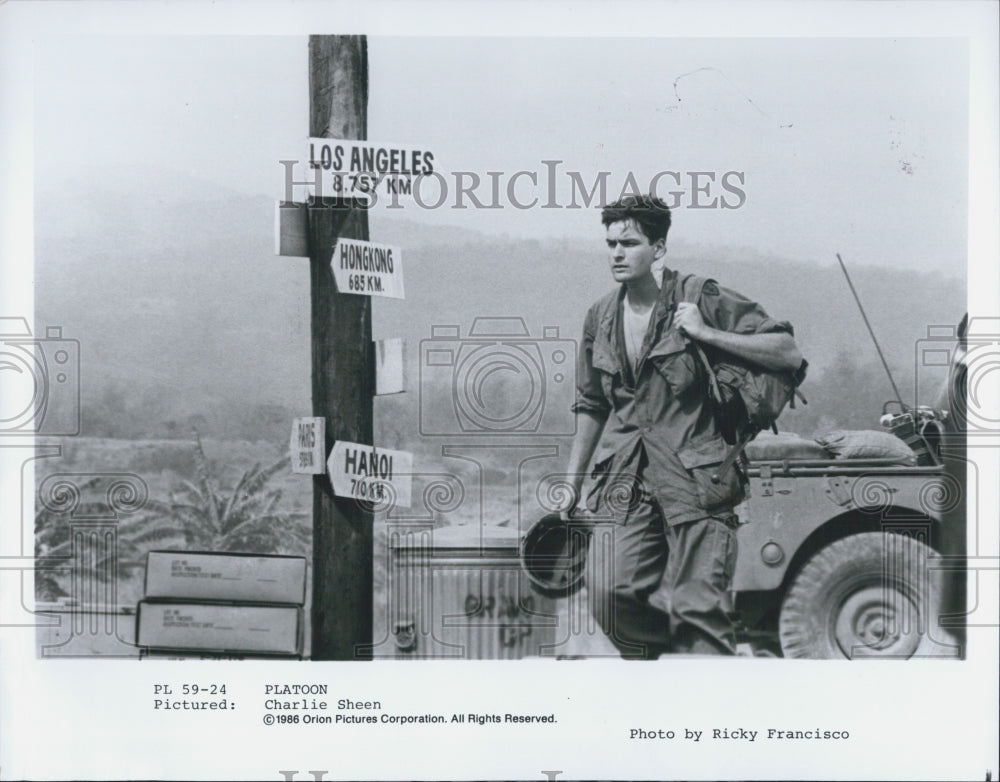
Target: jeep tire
{"x": 868, "y": 595}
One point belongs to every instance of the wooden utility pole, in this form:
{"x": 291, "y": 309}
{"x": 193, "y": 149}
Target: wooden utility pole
{"x": 342, "y": 375}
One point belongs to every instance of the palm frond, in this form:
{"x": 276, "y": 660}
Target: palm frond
{"x": 263, "y": 476}
{"x": 194, "y": 490}
{"x": 156, "y": 535}
{"x": 62, "y": 550}
{"x": 47, "y": 588}
{"x": 156, "y": 507}
{"x": 204, "y": 480}
{"x": 248, "y": 508}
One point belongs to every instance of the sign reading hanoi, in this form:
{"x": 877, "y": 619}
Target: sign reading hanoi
{"x": 366, "y": 472}
{"x": 367, "y": 268}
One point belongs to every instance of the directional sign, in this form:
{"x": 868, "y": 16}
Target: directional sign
{"x": 368, "y": 170}
{"x": 389, "y": 366}
{"x": 291, "y": 229}
{"x": 307, "y": 445}
{"x": 368, "y": 473}
{"x": 367, "y": 268}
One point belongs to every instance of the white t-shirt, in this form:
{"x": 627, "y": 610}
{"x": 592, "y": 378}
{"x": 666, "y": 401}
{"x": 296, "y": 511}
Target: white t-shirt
{"x": 635, "y": 327}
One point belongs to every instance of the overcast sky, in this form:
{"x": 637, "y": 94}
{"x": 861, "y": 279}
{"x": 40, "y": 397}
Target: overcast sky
{"x": 851, "y": 145}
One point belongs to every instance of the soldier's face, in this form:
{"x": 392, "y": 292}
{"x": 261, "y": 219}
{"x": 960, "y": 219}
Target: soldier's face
{"x": 631, "y": 254}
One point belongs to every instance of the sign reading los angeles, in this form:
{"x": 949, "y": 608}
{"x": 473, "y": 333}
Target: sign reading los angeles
{"x": 366, "y": 472}
{"x": 367, "y": 268}
{"x": 368, "y": 170}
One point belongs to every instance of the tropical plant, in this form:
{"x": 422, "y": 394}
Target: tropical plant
{"x": 53, "y": 549}
{"x": 56, "y": 547}
{"x": 198, "y": 515}
{"x": 246, "y": 518}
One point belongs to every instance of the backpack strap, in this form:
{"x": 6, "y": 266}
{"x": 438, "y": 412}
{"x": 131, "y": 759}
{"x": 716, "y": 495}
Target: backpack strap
{"x": 689, "y": 288}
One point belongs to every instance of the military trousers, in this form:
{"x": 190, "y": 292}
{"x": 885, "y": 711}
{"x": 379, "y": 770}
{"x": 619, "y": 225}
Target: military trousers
{"x": 656, "y": 588}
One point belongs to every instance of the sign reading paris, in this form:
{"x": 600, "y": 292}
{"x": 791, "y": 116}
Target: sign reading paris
{"x": 308, "y": 445}
{"x": 365, "y": 472}
{"x": 367, "y": 268}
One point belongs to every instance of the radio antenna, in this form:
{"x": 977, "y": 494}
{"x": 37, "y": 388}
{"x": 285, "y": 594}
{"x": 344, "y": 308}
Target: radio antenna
{"x": 899, "y": 397}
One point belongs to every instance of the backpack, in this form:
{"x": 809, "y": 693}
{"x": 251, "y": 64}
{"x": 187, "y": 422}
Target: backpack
{"x": 746, "y": 398}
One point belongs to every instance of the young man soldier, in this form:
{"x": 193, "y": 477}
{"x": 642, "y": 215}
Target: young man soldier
{"x": 660, "y": 583}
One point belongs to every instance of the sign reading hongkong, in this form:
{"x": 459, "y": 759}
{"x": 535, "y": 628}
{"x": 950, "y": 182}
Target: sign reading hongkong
{"x": 367, "y": 170}
{"x": 307, "y": 445}
{"x": 365, "y": 472}
{"x": 367, "y": 268}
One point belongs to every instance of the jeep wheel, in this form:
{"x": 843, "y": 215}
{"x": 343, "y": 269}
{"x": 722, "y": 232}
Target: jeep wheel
{"x": 867, "y": 595}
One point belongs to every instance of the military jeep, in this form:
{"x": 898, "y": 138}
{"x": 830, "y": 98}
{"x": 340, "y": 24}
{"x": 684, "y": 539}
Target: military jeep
{"x": 857, "y": 558}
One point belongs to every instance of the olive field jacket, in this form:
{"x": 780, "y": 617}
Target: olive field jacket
{"x": 659, "y": 435}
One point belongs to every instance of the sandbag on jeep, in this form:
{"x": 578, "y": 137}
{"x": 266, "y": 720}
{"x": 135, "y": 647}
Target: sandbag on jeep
{"x": 785, "y": 445}
{"x": 867, "y": 444}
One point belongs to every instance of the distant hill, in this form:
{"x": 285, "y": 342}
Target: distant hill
{"x": 185, "y": 316}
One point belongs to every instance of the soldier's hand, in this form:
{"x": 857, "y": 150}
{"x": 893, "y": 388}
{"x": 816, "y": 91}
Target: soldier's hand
{"x": 569, "y": 499}
{"x": 689, "y": 321}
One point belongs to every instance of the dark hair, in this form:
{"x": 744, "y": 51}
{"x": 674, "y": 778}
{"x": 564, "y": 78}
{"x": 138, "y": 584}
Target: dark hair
{"x": 650, "y": 213}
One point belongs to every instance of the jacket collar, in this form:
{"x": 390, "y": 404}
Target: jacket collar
{"x": 663, "y": 307}
{"x": 663, "y": 310}
{"x": 668, "y": 299}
